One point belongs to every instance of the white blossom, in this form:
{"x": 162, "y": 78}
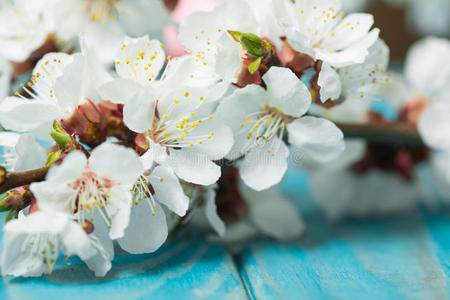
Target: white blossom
{"x": 320, "y": 29}
{"x": 24, "y": 26}
{"x": 263, "y": 118}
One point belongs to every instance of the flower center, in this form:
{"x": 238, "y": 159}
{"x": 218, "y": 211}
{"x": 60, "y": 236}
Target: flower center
{"x": 143, "y": 190}
{"x": 178, "y": 132}
{"x": 45, "y": 246}
{"x": 92, "y": 192}
{"x": 262, "y": 127}
{"x": 100, "y": 9}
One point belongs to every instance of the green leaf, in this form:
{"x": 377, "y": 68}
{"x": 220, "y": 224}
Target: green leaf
{"x": 62, "y": 139}
{"x": 52, "y": 157}
{"x": 254, "y": 66}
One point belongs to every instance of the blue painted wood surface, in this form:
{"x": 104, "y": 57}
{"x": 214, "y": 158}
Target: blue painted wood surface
{"x": 185, "y": 268}
{"x": 398, "y": 258}
{"x": 403, "y": 257}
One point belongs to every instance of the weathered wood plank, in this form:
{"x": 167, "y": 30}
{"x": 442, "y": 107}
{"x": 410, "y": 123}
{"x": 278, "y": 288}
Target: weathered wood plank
{"x": 398, "y": 258}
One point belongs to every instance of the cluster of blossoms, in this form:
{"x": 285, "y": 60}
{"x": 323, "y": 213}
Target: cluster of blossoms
{"x": 135, "y": 150}
{"x": 375, "y": 179}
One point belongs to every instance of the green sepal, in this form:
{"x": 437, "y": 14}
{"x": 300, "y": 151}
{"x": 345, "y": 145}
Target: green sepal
{"x": 11, "y": 215}
{"x": 52, "y": 157}
{"x": 3, "y": 204}
{"x": 254, "y": 66}
{"x": 58, "y": 127}
{"x": 236, "y": 35}
{"x": 62, "y": 139}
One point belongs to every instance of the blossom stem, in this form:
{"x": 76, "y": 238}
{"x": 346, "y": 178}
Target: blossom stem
{"x": 10, "y": 180}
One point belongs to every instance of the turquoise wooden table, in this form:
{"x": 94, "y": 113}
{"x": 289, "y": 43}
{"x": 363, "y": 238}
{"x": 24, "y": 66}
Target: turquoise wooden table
{"x": 405, "y": 257}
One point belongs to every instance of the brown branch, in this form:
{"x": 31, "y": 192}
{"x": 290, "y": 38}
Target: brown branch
{"x": 10, "y": 180}
{"x": 388, "y": 133}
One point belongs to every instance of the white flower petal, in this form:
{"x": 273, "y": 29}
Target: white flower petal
{"x": 75, "y": 241}
{"x": 286, "y": 92}
{"x": 318, "y": 138}
{"x": 147, "y": 159}
{"x": 156, "y": 152}
{"x": 273, "y": 214}
{"x": 69, "y": 170}
{"x": 69, "y": 86}
{"x": 31, "y": 155}
{"x": 349, "y": 32}
{"x": 298, "y": 41}
{"x": 119, "y": 90}
{"x": 228, "y": 60}
{"x": 52, "y": 196}
{"x": 329, "y": 82}
{"x": 146, "y": 232}
{"x": 193, "y": 167}
{"x": 120, "y": 198}
{"x": 216, "y": 138}
{"x": 211, "y": 212}
{"x": 139, "y": 111}
{"x": 116, "y": 162}
{"x": 9, "y": 139}
{"x": 22, "y": 115}
{"x": 262, "y": 169}
{"x": 434, "y": 125}
{"x": 427, "y": 68}
{"x": 140, "y": 59}
{"x": 168, "y": 190}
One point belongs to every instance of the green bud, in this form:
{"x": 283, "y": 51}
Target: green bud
{"x": 52, "y": 157}
{"x": 252, "y": 44}
{"x": 62, "y": 139}
{"x": 254, "y": 66}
